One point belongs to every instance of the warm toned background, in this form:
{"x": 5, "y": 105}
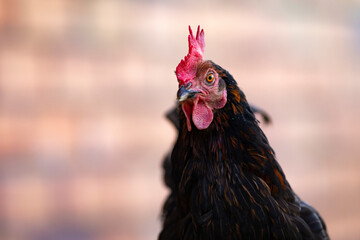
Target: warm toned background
{"x": 84, "y": 86}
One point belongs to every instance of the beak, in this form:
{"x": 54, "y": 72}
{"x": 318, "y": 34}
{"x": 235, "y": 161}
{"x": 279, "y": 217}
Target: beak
{"x": 184, "y": 94}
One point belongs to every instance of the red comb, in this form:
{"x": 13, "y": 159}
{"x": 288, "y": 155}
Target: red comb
{"x": 186, "y": 70}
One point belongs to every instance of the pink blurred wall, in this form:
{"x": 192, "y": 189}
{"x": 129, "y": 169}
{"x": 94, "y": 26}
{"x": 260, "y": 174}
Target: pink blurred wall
{"x": 84, "y": 86}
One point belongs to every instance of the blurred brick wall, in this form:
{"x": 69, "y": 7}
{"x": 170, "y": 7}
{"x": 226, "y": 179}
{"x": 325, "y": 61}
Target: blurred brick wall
{"x": 84, "y": 86}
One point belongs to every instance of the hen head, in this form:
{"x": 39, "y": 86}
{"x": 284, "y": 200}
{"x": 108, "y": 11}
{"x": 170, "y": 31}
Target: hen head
{"x": 201, "y": 89}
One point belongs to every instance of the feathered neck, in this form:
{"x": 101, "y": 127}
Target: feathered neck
{"x": 234, "y": 138}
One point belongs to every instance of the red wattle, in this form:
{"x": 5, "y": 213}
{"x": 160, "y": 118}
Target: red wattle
{"x": 187, "y": 109}
{"x": 202, "y": 115}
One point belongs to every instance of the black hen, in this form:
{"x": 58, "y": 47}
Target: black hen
{"x": 173, "y": 116}
{"x": 225, "y": 180}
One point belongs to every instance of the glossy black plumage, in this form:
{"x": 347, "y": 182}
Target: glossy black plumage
{"x": 226, "y": 183}
{"x": 173, "y": 116}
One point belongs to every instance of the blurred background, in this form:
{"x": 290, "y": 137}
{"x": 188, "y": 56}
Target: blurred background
{"x": 84, "y": 86}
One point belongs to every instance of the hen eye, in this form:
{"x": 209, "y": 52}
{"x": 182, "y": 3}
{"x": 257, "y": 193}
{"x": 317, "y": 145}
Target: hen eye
{"x": 210, "y": 78}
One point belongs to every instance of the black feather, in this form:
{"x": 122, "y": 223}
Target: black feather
{"x": 226, "y": 183}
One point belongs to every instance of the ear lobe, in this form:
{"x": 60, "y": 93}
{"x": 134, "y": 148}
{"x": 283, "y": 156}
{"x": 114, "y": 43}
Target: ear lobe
{"x": 221, "y": 103}
{"x": 222, "y": 84}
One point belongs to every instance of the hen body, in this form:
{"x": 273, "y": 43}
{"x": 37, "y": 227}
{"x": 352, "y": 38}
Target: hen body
{"x": 173, "y": 116}
{"x": 226, "y": 183}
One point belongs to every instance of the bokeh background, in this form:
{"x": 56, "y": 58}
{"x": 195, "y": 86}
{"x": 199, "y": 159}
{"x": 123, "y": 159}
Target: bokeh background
{"x": 84, "y": 86}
